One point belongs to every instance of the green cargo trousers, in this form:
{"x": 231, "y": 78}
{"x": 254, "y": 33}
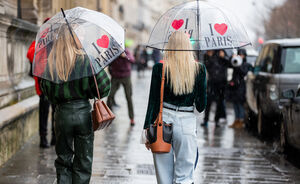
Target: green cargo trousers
{"x": 74, "y": 142}
{"x": 115, "y": 85}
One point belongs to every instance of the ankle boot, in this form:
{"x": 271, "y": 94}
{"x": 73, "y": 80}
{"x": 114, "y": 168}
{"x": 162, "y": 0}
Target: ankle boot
{"x": 53, "y": 141}
{"x": 44, "y": 142}
{"x": 234, "y": 124}
{"x": 240, "y": 124}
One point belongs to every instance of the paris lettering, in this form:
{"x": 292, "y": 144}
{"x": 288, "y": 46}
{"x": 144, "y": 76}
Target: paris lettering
{"x": 220, "y": 40}
{"x": 46, "y": 36}
{"x": 43, "y": 41}
{"x": 106, "y": 57}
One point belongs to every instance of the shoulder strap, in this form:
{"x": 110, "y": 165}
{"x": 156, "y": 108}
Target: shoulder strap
{"x": 95, "y": 80}
{"x": 161, "y": 93}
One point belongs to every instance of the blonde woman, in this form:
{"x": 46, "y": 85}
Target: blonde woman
{"x": 73, "y": 124}
{"x": 185, "y": 88}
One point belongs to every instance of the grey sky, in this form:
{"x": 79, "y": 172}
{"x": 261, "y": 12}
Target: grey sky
{"x": 250, "y": 12}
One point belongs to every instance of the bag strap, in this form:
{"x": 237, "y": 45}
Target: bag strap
{"x": 95, "y": 80}
{"x": 161, "y": 94}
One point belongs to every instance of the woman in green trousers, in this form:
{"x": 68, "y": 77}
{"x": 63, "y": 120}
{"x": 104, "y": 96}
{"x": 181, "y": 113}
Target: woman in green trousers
{"x": 73, "y": 122}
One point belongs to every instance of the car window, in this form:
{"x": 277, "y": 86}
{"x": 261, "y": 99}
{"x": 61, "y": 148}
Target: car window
{"x": 251, "y": 59}
{"x": 291, "y": 60}
{"x": 262, "y": 55}
{"x": 267, "y": 60}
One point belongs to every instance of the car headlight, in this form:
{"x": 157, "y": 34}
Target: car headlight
{"x": 273, "y": 92}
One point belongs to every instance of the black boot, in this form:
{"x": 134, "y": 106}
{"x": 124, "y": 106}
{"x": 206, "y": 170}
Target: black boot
{"x": 44, "y": 142}
{"x": 53, "y": 141}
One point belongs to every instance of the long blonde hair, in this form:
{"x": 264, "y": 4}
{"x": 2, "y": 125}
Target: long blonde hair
{"x": 180, "y": 66}
{"x": 63, "y": 54}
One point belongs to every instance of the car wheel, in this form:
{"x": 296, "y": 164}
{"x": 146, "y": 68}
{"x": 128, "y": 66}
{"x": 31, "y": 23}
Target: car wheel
{"x": 261, "y": 123}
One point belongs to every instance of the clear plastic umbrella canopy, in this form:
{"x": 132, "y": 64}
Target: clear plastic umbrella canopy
{"x": 100, "y": 40}
{"x": 210, "y": 27}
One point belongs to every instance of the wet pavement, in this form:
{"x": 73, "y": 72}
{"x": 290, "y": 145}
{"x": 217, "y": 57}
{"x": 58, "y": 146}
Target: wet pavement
{"x": 226, "y": 156}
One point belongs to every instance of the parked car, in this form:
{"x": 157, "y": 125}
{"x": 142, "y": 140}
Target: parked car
{"x": 276, "y": 69}
{"x": 290, "y": 120}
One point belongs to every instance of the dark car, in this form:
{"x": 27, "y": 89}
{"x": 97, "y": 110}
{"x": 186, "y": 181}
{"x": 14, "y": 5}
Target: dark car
{"x": 290, "y": 121}
{"x": 276, "y": 69}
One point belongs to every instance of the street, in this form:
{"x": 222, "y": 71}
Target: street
{"x": 226, "y": 156}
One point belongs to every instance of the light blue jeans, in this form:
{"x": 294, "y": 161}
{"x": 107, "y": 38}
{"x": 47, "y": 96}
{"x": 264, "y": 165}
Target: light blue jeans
{"x": 177, "y": 166}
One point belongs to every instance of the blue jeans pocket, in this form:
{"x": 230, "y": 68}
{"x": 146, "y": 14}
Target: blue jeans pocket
{"x": 188, "y": 125}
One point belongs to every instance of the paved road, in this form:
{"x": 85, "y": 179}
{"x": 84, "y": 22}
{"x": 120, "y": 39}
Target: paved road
{"x": 226, "y": 156}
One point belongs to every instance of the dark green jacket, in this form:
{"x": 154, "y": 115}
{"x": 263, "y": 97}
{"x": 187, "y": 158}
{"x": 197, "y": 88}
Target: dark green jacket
{"x": 197, "y": 97}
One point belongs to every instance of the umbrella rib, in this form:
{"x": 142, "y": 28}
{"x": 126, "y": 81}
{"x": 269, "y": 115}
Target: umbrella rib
{"x": 198, "y": 27}
{"x": 197, "y": 49}
{"x": 155, "y": 26}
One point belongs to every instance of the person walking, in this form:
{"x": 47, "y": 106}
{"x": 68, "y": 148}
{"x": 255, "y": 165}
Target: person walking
{"x": 237, "y": 89}
{"x": 73, "y": 121}
{"x": 120, "y": 71}
{"x": 216, "y": 65}
{"x": 139, "y": 60}
{"x": 184, "y": 90}
{"x": 44, "y": 104}
{"x": 156, "y": 55}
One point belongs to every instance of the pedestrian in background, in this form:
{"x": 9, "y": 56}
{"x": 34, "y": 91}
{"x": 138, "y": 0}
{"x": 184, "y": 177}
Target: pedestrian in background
{"x": 73, "y": 121}
{"x": 145, "y": 57}
{"x": 120, "y": 71}
{"x": 44, "y": 104}
{"x": 185, "y": 87}
{"x": 216, "y": 65}
{"x": 139, "y": 60}
{"x": 156, "y": 55}
{"x": 237, "y": 89}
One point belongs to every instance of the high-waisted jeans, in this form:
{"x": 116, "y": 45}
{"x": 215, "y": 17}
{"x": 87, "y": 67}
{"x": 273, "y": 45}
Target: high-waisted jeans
{"x": 178, "y": 165}
{"x": 74, "y": 142}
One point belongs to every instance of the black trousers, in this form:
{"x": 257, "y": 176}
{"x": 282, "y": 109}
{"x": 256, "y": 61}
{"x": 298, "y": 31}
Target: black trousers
{"x": 115, "y": 85}
{"x": 74, "y": 142}
{"x": 215, "y": 92}
{"x": 43, "y": 116}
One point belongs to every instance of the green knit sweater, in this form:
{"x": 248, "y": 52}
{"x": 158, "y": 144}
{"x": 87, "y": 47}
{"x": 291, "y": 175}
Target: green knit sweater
{"x": 197, "y": 97}
{"x": 83, "y": 88}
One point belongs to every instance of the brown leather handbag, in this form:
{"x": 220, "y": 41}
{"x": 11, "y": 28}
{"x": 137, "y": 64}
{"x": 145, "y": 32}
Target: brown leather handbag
{"x": 160, "y": 133}
{"x": 102, "y": 116}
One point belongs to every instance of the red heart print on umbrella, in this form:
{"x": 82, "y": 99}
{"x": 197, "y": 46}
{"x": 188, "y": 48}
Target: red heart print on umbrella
{"x": 176, "y": 24}
{"x": 103, "y": 41}
{"x": 221, "y": 28}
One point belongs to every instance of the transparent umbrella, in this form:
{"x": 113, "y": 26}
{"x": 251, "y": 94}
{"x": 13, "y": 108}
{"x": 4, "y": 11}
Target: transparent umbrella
{"x": 210, "y": 27}
{"x": 99, "y": 38}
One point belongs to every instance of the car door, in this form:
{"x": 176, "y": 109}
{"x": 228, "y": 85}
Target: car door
{"x": 290, "y": 68}
{"x": 264, "y": 80}
{"x": 253, "y": 81}
{"x": 295, "y": 121}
